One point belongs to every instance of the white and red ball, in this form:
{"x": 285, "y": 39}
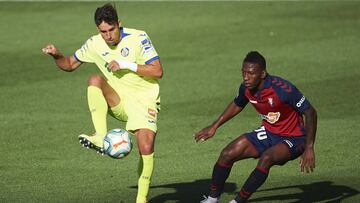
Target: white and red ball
{"x": 117, "y": 143}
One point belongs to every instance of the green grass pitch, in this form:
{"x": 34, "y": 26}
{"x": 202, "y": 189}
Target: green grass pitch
{"x": 201, "y": 44}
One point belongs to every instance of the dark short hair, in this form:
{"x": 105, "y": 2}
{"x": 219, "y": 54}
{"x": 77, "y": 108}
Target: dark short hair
{"x": 257, "y": 58}
{"x": 107, "y": 13}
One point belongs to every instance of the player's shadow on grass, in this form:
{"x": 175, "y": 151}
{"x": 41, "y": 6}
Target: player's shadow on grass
{"x": 325, "y": 191}
{"x": 188, "y": 192}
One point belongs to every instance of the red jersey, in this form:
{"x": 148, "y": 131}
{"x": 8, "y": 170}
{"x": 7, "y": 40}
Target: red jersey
{"x": 280, "y": 105}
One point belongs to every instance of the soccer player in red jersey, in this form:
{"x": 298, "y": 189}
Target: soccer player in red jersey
{"x": 283, "y": 136}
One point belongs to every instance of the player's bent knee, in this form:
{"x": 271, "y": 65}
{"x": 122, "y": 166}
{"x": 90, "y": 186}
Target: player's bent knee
{"x": 227, "y": 156}
{"x": 266, "y": 161}
{"x": 95, "y": 80}
{"x": 146, "y": 149}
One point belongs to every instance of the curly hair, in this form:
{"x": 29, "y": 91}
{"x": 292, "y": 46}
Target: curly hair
{"x": 255, "y": 57}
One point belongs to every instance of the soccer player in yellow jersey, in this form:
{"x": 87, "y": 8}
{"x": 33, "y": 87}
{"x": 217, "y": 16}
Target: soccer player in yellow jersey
{"x": 127, "y": 88}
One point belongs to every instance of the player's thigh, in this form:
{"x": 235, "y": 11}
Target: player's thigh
{"x": 119, "y": 113}
{"x": 111, "y": 93}
{"x": 277, "y": 154}
{"x": 284, "y": 150}
{"x": 240, "y": 148}
{"x": 122, "y": 109}
{"x": 141, "y": 115}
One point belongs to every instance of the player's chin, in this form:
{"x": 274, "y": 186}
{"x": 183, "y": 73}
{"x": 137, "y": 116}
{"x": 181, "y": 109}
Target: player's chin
{"x": 250, "y": 87}
{"x": 110, "y": 43}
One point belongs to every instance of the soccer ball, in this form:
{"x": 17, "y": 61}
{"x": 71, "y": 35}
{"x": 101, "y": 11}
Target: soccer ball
{"x": 117, "y": 143}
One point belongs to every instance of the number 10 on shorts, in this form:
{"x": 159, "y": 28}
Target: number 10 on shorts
{"x": 261, "y": 133}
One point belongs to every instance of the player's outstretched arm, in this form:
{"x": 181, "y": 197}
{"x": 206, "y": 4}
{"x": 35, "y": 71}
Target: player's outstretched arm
{"x": 231, "y": 110}
{"x": 307, "y": 160}
{"x": 66, "y": 63}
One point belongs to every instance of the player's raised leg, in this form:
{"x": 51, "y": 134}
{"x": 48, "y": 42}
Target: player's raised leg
{"x": 100, "y": 96}
{"x": 240, "y": 148}
{"x": 145, "y": 141}
{"x": 278, "y": 154}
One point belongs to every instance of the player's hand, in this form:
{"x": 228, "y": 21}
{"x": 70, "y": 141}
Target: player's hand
{"x": 205, "y": 134}
{"x": 113, "y": 66}
{"x": 50, "y": 49}
{"x": 307, "y": 160}
{"x": 116, "y": 65}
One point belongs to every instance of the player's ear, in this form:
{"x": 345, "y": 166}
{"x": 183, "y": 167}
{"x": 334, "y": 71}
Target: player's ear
{"x": 119, "y": 23}
{"x": 263, "y": 74}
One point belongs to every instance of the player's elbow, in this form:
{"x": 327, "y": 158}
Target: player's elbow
{"x": 160, "y": 74}
{"x": 66, "y": 64}
{"x": 66, "y": 68}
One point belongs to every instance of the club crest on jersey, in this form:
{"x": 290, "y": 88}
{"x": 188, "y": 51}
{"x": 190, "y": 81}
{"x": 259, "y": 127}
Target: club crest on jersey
{"x": 271, "y": 101}
{"x": 271, "y": 117}
{"x": 124, "y": 52}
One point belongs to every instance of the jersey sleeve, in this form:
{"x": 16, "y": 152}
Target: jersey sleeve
{"x": 294, "y": 97}
{"x": 146, "y": 51}
{"x": 86, "y": 53}
{"x": 241, "y": 100}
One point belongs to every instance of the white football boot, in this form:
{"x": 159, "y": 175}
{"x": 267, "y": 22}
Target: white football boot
{"x": 94, "y": 141}
{"x": 210, "y": 200}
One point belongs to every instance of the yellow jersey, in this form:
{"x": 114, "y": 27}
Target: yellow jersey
{"x": 135, "y": 46}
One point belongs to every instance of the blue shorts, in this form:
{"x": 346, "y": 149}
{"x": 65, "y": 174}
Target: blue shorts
{"x": 263, "y": 140}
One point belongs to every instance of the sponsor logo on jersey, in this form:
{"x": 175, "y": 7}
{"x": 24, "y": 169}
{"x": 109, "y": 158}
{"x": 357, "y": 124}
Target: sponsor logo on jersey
{"x": 301, "y": 101}
{"x": 271, "y": 101}
{"x": 271, "y": 117}
{"x": 152, "y": 112}
{"x": 124, "y": 52}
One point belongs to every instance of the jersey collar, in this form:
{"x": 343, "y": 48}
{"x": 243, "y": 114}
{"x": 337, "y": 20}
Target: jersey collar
{"x": 267, "y": 82}
{"x": 122, "y": 33}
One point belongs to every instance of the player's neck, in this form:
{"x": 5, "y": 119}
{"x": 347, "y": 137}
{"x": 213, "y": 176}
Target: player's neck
{"x": 259, "y": 87}
{"x": 114, "y": 46}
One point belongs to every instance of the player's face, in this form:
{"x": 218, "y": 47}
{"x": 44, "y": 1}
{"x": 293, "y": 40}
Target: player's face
{"x": 253, "y": 75}
{"x": 110, "y": 33}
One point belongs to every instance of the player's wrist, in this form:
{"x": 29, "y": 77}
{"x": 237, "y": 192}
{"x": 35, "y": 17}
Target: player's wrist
{"x": 128, "y": 65}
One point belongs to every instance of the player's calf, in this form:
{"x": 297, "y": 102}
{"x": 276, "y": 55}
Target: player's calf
{"x": 255, "y": 180}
